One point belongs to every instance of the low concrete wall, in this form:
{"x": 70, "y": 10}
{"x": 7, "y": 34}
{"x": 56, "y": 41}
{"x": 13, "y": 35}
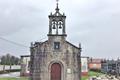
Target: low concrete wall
{"x": 7, "y": 67}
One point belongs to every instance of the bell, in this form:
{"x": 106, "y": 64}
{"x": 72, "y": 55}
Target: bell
{"x": 54, "y": 27}
{"x": 60, "y": 27}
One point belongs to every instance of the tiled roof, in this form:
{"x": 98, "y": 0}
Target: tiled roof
{"x": 95, "y": 60}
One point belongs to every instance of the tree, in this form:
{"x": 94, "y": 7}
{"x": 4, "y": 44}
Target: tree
{"x": 9, "y": 60}
{"x": 3, "y": 62}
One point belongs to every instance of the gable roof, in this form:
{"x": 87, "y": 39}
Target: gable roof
{"x": 95, "y": 60}
{"x": 72, "y": 45}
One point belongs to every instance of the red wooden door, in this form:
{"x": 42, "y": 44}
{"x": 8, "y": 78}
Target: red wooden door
{"x": 56, "y": 71}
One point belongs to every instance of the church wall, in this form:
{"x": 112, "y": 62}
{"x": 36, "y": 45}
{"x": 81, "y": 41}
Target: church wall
{"x": 67, "y": 56}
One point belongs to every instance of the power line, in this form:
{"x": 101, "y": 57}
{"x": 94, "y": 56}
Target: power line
{"x": 12, "y": 42}
{"x": 18, "y": 44}
{"x": 41, "y": 39}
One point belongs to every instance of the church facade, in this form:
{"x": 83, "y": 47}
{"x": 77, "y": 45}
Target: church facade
{"x": 55, "y": 58}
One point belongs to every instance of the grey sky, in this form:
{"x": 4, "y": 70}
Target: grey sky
{"x": 93, "y": 23}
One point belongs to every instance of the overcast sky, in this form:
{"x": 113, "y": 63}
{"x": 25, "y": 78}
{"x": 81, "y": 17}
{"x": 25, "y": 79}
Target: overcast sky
{"x": 93, "y": 23}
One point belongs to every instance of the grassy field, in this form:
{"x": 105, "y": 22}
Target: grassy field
{"x": 85, "y": 78}
{"x": 14, "y": 79}
{"x": 91, "y": 73}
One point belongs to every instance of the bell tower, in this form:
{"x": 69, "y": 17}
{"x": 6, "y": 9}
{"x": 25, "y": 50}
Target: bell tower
{"x": 57, "y": 23}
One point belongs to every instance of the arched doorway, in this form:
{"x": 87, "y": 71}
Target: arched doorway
{"x": 56, "y": 71}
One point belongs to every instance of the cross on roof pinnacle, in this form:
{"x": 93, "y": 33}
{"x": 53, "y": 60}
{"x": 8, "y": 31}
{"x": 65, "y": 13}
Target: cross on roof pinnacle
{"x": 57, "y": 1}
{"x": 57, "y": 8}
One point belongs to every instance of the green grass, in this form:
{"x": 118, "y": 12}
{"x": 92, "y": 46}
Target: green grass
{"x": 91, "y": 73}
{"x": 85, "y": 78}
{"x": 14, "y": 78}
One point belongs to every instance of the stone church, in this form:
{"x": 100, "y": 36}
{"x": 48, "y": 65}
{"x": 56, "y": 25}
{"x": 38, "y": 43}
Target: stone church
{"x": 55, "y": 58}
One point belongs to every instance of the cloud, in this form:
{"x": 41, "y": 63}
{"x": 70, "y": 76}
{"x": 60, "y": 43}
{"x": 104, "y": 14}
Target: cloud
{"x": 94, "y": 23}
{"x": 16, "y": 15}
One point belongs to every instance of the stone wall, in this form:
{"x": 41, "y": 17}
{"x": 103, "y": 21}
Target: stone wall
{"x": 43, "y": 55}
